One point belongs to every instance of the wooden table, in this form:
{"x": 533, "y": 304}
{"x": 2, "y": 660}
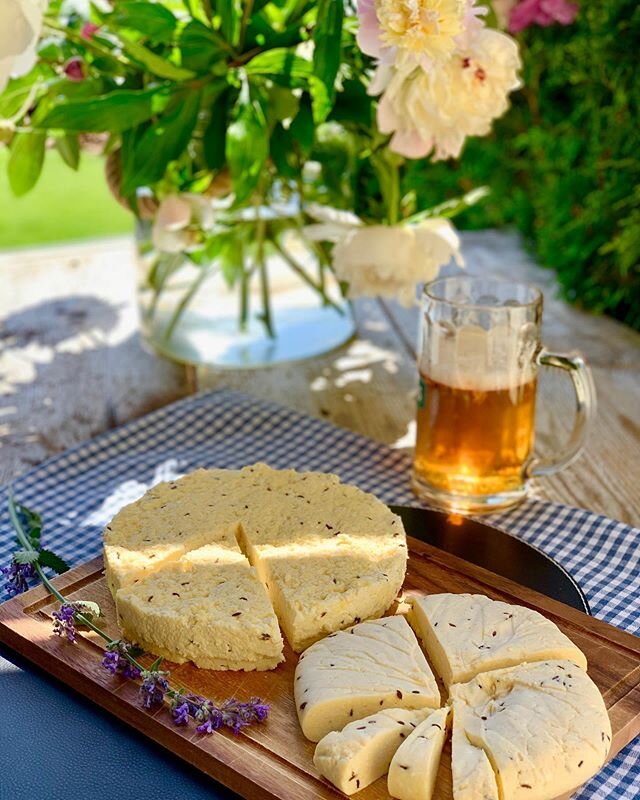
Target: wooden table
{"x": 72, "y": 365}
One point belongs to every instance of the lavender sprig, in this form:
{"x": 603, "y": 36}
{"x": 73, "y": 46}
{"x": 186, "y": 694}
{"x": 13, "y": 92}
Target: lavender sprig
{"x": 17, "y": 577}
{"x": 64, "y": 622}
{"x": 120, "y": 657}
{"x": 211, "y": 717}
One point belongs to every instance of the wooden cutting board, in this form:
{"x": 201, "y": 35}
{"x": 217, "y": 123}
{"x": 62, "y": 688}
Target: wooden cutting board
{"x": 273, "y": 760}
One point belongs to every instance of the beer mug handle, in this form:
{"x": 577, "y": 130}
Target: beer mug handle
{"x": 585, "y": 411}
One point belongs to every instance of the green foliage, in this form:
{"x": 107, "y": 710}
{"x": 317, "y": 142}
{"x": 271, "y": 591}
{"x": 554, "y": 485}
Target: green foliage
{"x": 564, "y": 164}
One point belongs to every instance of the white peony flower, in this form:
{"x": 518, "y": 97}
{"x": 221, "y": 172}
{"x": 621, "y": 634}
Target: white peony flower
{"x": 436, "y": 111}
{"x": 20, "y": 27}
{"x": 384, "y": 261}
{"x": 178, "y": 219}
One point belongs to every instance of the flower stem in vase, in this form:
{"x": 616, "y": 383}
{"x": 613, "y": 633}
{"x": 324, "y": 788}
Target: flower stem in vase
{"x": 300, "y": 272}
{"x": 205, "y": 272}
{"x": 245, "y": 276}
{"x": 266, "y": 316}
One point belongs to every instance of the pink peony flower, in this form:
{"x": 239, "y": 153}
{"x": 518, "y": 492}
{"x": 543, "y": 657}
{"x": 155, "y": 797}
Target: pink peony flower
{"x": 541, "y": 12}
{"x": 74, "y": 69}
{"x": 88, "y": 29}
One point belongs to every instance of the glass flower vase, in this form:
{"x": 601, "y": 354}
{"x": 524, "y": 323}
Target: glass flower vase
{"x": 252, "y": 292}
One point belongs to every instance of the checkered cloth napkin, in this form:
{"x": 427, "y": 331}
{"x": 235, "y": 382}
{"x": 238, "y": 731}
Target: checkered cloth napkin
{"x": 79, "y": 491}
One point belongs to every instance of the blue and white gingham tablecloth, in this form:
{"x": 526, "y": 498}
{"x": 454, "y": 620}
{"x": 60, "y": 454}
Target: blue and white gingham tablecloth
{"x": 79, "y": 491}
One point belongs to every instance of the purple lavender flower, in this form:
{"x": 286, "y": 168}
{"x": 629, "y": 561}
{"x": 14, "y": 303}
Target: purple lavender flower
{"x": 231, "y": 714}
{"x": 64, "y": 622}
{"x": 180, "y": 712}
{"x": 16, "y": 577}
{"x": 153, "y": 689}
{"x": 116, "y": 662}
{"x": 208, "y": 726}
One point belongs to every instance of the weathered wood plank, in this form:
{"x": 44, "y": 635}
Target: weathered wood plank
{"x": 71, "y": 361}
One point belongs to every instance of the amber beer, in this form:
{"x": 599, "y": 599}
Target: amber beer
{"x": 474, "y": 441}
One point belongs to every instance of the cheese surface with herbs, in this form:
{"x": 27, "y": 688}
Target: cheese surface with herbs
{"x": 361, "y": 752}
{"x": 465, "y": 634}
{"x": 209, "y": 607}
{"x": 327, "y": 555}
{"x": 544, "y": 727}
{"x": 350, "y": 674}
{"x": 414, "y": 767}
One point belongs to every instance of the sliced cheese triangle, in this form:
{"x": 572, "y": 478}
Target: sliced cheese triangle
{"x": 361, "y": 752}
{"x": 414, "y": 767}
{"x": 473, "y": 777}
{"x": 209, "y": 607}
{"x": 543, "y": 726}
{"x": 350, "y": 674}
{"x": 465, "y": 634}
{"x": 329, "y": 554}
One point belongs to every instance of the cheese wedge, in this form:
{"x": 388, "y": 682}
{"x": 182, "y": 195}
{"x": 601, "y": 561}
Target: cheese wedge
{"x": 328, "y": 553}
{"x": 350, "y": 674}
{"x": 544, "y": 727}
{"x": 465, "y": 634}
{"x": 414, "y": 767}
{"x": 209, "y": 608}
{"x": 320, "y": 588}
{"x": 473, "y": 777}
{"x": 361, "y": 752}
{"x": 168, "y": 521}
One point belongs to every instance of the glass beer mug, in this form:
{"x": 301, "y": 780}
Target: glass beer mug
{"x": 478, "y": 367}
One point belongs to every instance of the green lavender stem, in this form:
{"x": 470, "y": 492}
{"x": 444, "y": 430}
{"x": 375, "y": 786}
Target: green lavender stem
{"x": 81, "y": 618}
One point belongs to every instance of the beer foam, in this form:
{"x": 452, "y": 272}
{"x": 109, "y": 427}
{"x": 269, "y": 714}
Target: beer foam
{"x": 472, "y": 358}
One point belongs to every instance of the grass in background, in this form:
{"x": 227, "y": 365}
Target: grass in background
{"x": 65, "y": 205}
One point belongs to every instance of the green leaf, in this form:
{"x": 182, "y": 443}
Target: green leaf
{"x": 157, "y": 65}
{"x": 247, "y": 148}
{"x": 302, "y": 128}
{"x": 32, "y": 522}
{"x": 199, "y": 46}
{"x": 114, "y": 112}
{"x": 69, "y": 149}
{"x": 54, "y": 562}
{"x": 162, "y": 142}
{"x": 19, "y": 90}
{"x": 156, "y": 664}
{"x": 320, "y": 100}
{"x": 283, "y": 152}
{"x": 25, "y": 161}
{"x": 284, "y": 66}
{"x": 156, "y": 22}
{"x": 327, "y": 39}
{"x": 353, "y": 104}
{"x": 26, "y": 556}
{"x": 88, "y": 608}
{"x": 453, "y": 207}
{"x": 279, "y": 62}
{"x": 229, "y": 12}
{"x": 215, "y": 134}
